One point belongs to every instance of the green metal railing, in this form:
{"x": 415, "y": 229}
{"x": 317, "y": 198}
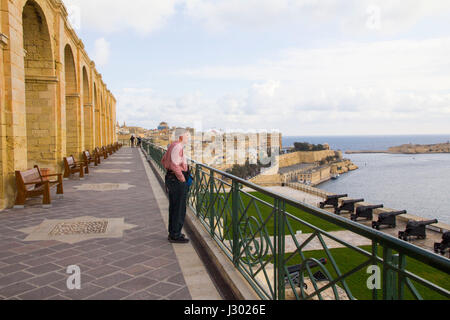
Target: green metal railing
{"x": 258, "y": 231}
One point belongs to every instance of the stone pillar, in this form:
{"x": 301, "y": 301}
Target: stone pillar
{"x": 3, "y": 123}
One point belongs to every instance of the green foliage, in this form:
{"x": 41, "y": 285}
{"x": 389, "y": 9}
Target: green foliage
{"x": 305, "y": 146}
{"x": 347, "y": 259}
{"x": 247, "y": 170}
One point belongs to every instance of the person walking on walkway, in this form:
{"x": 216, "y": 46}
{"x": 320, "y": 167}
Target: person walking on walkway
{"x": 175, "y": 163}
{"x": 132, "y": 141}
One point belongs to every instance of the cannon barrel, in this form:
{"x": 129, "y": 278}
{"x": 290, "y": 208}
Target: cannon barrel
{"x": 337, "y": 196}
{"x": 353, "y": 201}
{"x": 393, "y": 213}
{"x": 428, "y": 222}
{"x": 413, "y": 223}
{"x": 371, "y": 207}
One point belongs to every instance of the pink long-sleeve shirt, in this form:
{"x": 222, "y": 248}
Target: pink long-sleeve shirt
{"x": 175, "y": 161}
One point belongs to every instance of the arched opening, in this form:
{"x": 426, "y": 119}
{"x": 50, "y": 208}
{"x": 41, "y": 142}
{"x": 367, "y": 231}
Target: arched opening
{"x": 97, "y": 118}
{"x": 72, "y": 117}
{"x": 88, "y": 116}
{"x": 40, "y": 88}
{"x": 102, "y": 110}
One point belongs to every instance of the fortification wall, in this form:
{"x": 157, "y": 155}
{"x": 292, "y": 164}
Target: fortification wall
{"x": 290, "y": 159}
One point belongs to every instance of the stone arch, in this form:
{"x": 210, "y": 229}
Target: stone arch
{"x": 102, "y": 117}
{"x": 40, "y": 87}
{"x": 88, "y": 112}
{"x": 72, "y": 98}
{"x": 97, "y": 117}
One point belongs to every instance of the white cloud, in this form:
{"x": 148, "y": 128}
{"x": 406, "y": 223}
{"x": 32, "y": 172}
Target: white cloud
{"x": 383, "y": 87}
{"x": 385, "y": 16}
{"x": 141, "y": 16}
{"x": 400, "y": 65}
{"x": 302, "y": 111}
{"x": 102, "y": 50}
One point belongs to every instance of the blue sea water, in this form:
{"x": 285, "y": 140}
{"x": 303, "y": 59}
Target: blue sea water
{"x": 359, "y": 143}
{"x": 417, "y": 183}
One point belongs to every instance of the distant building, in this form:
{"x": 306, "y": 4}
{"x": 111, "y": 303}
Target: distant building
{"x": 163, "y": 126}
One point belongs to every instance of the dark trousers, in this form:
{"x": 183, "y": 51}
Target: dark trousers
{"x": 177, "y": 205}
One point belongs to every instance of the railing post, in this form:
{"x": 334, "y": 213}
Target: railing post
{"x": 279, "y": 243}
{"x": 374, "y": 257}
{"x": 389, "y": 275}
{"x": 401, "y": 277}
{"x": 235, "y": 222}
{"x": 197, "y": 190}
{"x": 211, "y": 202}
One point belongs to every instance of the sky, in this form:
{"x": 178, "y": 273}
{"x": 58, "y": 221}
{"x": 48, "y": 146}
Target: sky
{"x": 303, "y": 67}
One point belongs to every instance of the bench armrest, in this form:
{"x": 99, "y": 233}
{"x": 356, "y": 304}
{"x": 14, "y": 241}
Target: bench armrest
{"x": 31, "y": 183}
{"x": 52, "y": 175}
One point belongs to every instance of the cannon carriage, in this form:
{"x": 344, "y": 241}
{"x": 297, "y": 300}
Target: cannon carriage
{"x": 442, "y": 247}
{"x": 332, "y": 201}
{"x": 416, "y": 229}
{"x": 365, "y": 212}
{"x": 347, "y": 205}
{"x": 387, "y": 219}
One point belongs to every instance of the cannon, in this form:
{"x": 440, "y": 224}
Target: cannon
{"x": 441, "y": 247}
{"x": 415, "y": 229}
{"x": 387, "y": 219}
{"x": 347, "y": 205}
{"x": 294, "y": 273}
{"x": 332, "y": 201}
{"x": 365, "y": 212}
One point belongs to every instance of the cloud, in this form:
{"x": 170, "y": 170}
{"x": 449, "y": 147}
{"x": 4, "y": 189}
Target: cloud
{"x": 416, "y": 65}
{"x": 356, "y": 16}
{"x": 332, "y": 111}
{"x": 141, "y": 16}
{"x": 101, "y": 52}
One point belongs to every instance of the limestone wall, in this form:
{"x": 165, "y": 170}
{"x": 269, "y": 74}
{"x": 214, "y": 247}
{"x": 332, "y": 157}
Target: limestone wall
{"x": 290, "y": 159}
{"x": 264, "y": 180}
{"x": 53, "y": 102}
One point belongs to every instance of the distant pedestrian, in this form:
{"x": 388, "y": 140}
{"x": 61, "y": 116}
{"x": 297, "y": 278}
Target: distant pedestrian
{"x": 139, "y": 141}
{"x": 177, "y": 183}
{"x": 132, "y": 139}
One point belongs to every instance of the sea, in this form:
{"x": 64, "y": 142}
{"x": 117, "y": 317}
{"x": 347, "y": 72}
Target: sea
{"x": 419, "y": 184}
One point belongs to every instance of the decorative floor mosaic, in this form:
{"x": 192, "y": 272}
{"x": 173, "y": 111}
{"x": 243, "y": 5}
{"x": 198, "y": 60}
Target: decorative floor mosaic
{"x": 102, "y": 187}
{"x": 78, "y": 229}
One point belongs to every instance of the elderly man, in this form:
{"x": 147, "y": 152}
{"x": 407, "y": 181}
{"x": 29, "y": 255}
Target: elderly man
{"x": 177, "y": 172}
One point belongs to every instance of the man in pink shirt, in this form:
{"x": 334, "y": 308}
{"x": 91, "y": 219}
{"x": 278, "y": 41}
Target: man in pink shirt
{"x": 175, "y": 163}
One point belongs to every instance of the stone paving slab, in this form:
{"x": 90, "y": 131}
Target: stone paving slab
{"x": 139, "y": 265}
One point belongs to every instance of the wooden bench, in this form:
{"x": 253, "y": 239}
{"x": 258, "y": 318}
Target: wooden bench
{"x": 88, "y": 159}
{"x": 31, "y": 183}
{"x": 102, "y": 152}
{"x": 110, "y": 150}
{"x": 71, "y": 167}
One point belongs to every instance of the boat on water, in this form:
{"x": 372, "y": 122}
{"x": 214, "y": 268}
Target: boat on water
{"x": 335, "y": 176}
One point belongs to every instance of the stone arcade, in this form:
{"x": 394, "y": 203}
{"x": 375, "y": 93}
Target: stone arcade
{"x": 53, "y": 101}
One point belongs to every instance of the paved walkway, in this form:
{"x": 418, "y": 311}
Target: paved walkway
{"x": 111, "y": 226}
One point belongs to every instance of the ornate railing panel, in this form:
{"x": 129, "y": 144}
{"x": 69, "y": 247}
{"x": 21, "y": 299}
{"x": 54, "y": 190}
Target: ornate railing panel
{"x": 264, "y": 241}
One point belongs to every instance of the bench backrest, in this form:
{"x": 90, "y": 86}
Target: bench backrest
{"x": 70, "y": 161}
{"x": 86, "y": 155}
{"x": 28, "y": 176}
